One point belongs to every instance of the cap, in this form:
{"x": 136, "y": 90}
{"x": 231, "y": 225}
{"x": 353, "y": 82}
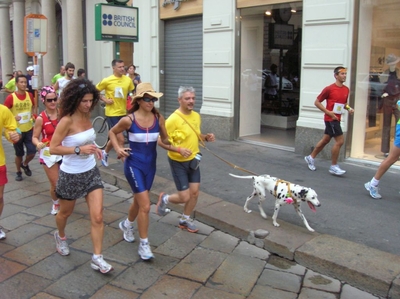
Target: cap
{"x": 29, "y": 68}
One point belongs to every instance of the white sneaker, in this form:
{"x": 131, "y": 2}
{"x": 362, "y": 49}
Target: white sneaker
{"x": 310, "y": 163}
{"x": 104, "y": 158}
{"x": 145, "y": 251}
{"x": 2, "y": 234}
{"x": 336, "y": 170}
{"x": 55, "y": 208}
{"x": 101, "y": 265}
{"x": 373, "y": 191}
{"x": 61, "y": 245}
{"x": 128, "y": 232}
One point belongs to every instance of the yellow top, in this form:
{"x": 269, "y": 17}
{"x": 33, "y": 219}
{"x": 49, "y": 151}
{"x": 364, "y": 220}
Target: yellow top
{"x": 182, "y": 135}
{"x": 117, "y": 89}
{"x": 7, "y": 122}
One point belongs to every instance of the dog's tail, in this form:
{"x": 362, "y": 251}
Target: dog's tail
{"x": 243, "y": 176}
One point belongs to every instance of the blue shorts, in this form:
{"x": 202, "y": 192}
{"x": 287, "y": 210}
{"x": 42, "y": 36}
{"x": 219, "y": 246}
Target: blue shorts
{"x": 26, "y": 139}
{"x": 140, "y": 180}
{"x": 113, "y": 120}
{"x": 397, "y": 137}
{"x": 183, "y": 174}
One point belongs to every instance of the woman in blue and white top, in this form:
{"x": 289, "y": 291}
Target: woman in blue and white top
{"x": 79, "y": 176}
{"x": 144, "y": 125}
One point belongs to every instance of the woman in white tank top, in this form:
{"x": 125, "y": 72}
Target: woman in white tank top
{"x": 79, "y": 175}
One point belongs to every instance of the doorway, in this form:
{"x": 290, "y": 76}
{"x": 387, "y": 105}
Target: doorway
{"x": 270, "y": 37}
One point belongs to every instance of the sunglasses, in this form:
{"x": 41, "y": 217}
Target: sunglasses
{"x": 148, "y": 100}
{"x": 51, "y": 100}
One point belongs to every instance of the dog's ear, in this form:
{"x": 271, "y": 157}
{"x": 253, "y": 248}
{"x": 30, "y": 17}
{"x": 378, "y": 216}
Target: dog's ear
{"x": 303, "y": 193}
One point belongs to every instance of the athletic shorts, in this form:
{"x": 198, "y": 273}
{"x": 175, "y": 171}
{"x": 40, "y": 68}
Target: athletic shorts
{"x": 140, "y": 180}
{"x": 333, "y": 128}
{"x": 26, "y": 139}
{"x": 3, "y": 175}
{"x": 71, "y": 186}
{"x": 183, "y": 174}
{"x": 113, "y": 120}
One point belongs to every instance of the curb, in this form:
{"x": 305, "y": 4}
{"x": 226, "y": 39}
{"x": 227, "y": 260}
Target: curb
{"x": 368, "y": 269}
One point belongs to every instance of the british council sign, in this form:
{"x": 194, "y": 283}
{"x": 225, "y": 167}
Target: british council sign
{"x": 116, "y": 23}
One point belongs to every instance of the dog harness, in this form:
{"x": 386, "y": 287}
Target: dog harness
{"x": 289, "y": 193}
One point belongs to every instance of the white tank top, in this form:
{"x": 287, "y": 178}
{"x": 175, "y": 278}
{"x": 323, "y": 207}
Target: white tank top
{"x": 78, "y": 163}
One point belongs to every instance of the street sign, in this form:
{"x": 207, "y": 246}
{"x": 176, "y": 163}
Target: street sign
{"x": 35, "y": 34}
{"x": 116, "y": 23}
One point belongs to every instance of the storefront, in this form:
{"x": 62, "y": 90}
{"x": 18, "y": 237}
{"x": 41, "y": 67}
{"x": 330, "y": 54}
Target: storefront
{"x": 228, "y": 52}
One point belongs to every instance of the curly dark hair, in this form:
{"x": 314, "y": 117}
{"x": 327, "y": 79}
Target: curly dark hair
{"x": 135, "y": 107}
{"x": 73, "y": 93}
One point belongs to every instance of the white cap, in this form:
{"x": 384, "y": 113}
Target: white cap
{"x": 29, "y": 68}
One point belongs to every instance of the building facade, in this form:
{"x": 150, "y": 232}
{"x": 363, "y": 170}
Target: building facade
{"x": 226, "y": 48}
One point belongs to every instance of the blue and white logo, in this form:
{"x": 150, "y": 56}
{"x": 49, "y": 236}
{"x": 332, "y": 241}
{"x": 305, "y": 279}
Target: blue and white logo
{"x": 107, "y": 19}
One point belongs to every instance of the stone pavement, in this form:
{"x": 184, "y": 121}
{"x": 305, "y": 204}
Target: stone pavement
{"x": 217, "y": 262}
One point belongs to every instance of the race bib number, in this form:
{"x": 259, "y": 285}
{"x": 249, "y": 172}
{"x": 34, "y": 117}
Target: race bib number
{"x": 25, "y": 117}
{"x": 338, "y": 108}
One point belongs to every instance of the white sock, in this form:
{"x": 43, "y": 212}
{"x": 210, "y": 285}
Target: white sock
{"x": 311, "y": 158}
{"x": 185, "y": 217}
{"x": 374, "y": 182}
{"x": 96, "y": 256}
{"x": 144, "y": 241}
{"x": 128, "y": 223}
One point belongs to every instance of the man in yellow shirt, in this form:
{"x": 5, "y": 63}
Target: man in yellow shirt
{"x": 21, "y": 105}
{"x": 183, "y": 128}
{"x": 117, "y": 88}
{"x": 7, "y": 122}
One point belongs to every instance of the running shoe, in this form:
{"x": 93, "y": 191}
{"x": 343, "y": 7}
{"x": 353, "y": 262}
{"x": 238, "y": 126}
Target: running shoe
{"x": 61, "y": 244}
{"x": 128, "y": 232}
{"x": 104, "y": 158}
{"x": 145, "y": 251}
{"x": 54, "y": 209}
{"x": 18, "y": 177}
{"x": 336, "y": 170}
{"x": 101, "y": 265}
{"x": 161, "y": 205}
{"x": 188, "y": 224}
{"x": 373, "y": 191}
{"x": 310, "y": 162}
{"x": 26, "y": 169}
{"x": 2, "y": 234}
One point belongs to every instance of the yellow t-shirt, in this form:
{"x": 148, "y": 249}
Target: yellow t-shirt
{"x": 182, "y": 135}
{"x": 23, "y": 108}
{"x": 116, "y": 88}
{"x": 7, "y": 122}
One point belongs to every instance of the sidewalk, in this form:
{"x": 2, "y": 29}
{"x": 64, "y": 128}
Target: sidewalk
{"x": 217, "y": 262}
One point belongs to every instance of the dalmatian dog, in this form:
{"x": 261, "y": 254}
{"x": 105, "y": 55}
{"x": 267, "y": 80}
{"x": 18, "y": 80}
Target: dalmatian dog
{"x": 285, "y": 193}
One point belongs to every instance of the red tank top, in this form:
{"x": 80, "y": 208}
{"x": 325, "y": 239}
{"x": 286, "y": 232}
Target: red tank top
{"x": 48, "y": 126}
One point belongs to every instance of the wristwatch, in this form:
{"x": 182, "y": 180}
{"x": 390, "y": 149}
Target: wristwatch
{"x": 77, "y": 150}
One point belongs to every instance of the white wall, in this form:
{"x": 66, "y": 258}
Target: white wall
{"x": 218, "y": 57}
{"x": 146, "y": 51}
{"x": 99, "y": 53}
{"x": 327, "y": 42}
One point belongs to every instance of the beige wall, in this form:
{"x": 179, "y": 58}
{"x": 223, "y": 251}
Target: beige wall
{"x": 187, "y": 8}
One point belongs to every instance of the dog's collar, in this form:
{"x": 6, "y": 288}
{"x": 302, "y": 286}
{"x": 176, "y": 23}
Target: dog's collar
{"x": 289, "y": 192}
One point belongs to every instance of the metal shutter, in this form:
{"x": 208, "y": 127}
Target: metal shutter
{"x": 183, "y": 60}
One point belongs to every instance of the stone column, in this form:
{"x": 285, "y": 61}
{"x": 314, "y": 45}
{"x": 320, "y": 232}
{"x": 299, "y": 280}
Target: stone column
{"x": 5, "y": 40}
{"x": 20, "y": 58}
{"x": 35, "y": 7}
{"x": 74, "y": 33}
{"x": 50, "y": 59}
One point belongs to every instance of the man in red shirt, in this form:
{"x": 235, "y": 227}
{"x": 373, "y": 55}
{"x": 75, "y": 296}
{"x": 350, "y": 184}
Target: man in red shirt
{"x": 21, "y": 104}
{"x": 336, "y": 96}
